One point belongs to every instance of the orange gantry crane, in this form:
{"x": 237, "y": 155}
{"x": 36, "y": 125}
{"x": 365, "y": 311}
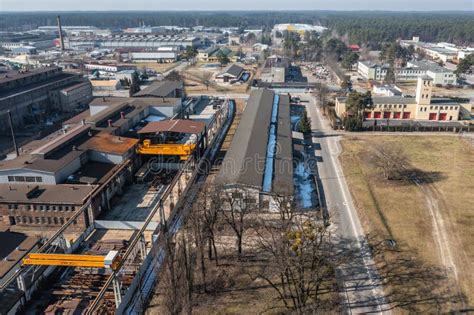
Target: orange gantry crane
{"x": 111, "y": 260}
{"x": 182, "y": 150}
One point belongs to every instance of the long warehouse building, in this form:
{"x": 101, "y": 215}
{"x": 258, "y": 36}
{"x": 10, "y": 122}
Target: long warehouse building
{"x": 260, "y": 158}
{"x": 149, "y": 42}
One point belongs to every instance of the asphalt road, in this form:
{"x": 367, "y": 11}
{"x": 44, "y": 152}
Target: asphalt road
{"x": 362, "y": 289}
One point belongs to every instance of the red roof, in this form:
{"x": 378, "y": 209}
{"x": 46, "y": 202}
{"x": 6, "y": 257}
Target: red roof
{"x": 179, "y": 125}
{"x": 354, "y": 47}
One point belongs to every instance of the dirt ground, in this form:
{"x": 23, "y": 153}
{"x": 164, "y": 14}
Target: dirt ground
{"x": 433, "y": 217}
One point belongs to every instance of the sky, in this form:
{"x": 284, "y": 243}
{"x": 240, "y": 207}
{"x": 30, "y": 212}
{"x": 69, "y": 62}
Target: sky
{"x": 183, "y": 5}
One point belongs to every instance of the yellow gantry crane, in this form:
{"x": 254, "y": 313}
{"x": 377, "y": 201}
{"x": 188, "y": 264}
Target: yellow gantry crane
{"x": 111, "y": 260}
{"x": 182, "y": 150}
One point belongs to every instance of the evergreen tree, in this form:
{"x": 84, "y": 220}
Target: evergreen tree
{"x": 305, "y": 123}
{"x": 356, "y": 104}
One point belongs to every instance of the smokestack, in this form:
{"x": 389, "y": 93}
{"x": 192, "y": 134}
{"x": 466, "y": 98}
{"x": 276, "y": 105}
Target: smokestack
{"x": 60, "y": 33}
{"x": 10, "y": 120}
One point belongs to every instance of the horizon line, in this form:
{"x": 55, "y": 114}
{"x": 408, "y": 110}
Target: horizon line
{"x": 467, "y": 11}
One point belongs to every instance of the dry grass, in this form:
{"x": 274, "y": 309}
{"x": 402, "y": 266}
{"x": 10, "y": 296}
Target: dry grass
{"x": 158, "y": 67}
{"x": 399, "y": 210}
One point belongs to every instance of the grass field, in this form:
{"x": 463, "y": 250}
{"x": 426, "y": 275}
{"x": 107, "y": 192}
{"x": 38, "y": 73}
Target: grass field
{"x": 434, "y": 219}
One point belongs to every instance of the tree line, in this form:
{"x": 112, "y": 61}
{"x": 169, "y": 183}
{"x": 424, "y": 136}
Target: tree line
{"x": 360, "y": 27}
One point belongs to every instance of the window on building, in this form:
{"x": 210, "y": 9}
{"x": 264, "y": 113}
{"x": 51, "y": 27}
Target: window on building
{"x": 18, "y": 220}
{"x": 19, "y": 178}
{"x": 43, "y": 220}
{"x": 30, "y": 179}
{"x": 11, "y": 178}
{"x": 37, "y": 220}
{"x": 61, "y": 219}
{"x": 55, "y": 219}
{"x": 39, "y": 179}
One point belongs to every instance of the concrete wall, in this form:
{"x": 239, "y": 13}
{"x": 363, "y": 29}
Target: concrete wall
{"x": 417, "y": 112}
{"x": 70, "y": 100}
{"x": 67, "y": 170}
{"x": 123, "y": 225}
{"x": 105, "y": 157}
{"x": 47, "y": 178}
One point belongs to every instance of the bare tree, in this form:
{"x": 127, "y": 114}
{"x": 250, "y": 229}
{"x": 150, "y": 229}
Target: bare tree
{"x": 177, "y": 276}
{"x": 203, "y": 77}
{"x": 235, "y": 206}
{"x": 322, "y": 95}
{"x": 196, "y": 224}
{"x": 171, "y": 289}
{"x": 300, "y": 264}
{"x": 187, "y": 257}
{"x": 211, "y": 216}
{"x": 202, "y": 222}
{"x": 391, "y": 160}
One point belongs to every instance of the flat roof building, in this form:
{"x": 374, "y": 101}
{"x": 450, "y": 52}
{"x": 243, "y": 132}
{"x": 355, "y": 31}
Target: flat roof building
{"x": 420, "y": 108}
{"x": 27, "y": 93}
{"x": 170, "y": 89}
{"x": 414, "y": 69}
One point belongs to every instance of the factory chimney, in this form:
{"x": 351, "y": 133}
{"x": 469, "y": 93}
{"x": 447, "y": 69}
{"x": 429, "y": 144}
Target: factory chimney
{"x": 60, "y": 33}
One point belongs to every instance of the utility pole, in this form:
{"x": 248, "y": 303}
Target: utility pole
{"x": 10, "y": 120}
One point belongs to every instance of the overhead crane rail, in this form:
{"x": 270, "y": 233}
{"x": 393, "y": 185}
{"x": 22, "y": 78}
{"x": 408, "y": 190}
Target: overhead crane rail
{"x": 111, "y": 260}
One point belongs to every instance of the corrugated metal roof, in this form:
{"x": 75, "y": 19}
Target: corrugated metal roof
{"x": 159, "y": 89}
{"x": 50, "y": 194}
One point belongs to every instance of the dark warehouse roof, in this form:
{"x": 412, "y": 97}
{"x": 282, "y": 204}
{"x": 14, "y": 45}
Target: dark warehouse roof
{"x": 244, "y": 163}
